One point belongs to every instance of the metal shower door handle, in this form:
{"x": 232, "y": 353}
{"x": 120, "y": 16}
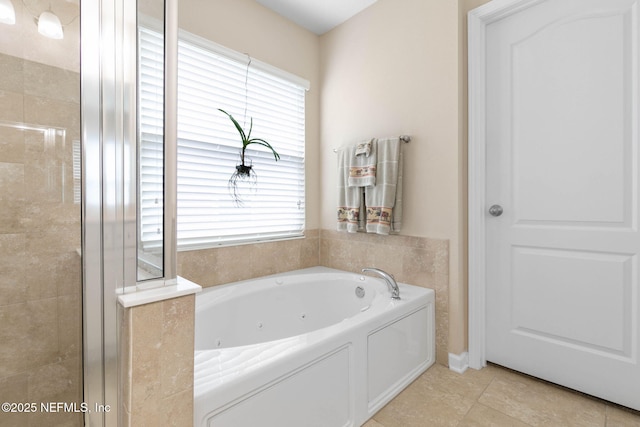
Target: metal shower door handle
{"x": 496, "y": 210}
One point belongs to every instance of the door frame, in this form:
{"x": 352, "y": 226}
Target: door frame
{"x": 478, "y": 20}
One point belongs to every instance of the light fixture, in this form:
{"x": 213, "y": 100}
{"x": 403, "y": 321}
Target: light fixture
{"x": 7, "y": 12}
{"x": 49, "y": 25}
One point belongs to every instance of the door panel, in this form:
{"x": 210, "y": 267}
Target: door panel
{"x": 562, "y": 160}
{"x": 570, "y": 316}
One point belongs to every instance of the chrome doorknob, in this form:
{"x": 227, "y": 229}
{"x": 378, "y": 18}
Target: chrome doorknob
{"x": 496, "y": 210}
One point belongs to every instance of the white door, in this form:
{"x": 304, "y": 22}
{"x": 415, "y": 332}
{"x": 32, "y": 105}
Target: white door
{"x": 562, "y": 161}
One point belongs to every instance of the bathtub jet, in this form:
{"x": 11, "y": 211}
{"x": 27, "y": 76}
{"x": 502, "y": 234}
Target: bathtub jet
{"x": 307, "y": 348}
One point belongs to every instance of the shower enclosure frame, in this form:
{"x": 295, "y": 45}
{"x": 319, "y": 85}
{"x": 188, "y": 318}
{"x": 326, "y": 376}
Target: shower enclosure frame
{"x": 108, "y": 85}
{"x": 109, "y": 186}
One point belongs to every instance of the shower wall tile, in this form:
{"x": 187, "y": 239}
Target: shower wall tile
{"x": 44, "y": 274}
{"x": 37, "y": 146}
{"x": 11, "y": 144}
{"x": 12, "y": 269}
{"x": 15, "y": 353}
{"x": 53, "y": 274}
{"x": 69, "y": 276}
{"x": 11, "y": 106}
{"x": 11, "y": 70}
{"x": 12, "y": 214}
{"x": 415, "y": 260}
{"x": 157, "y": 344}
{"x": 14, "y": 389}
{"x": 12, "y": 186}
{"x": 39, "y": 216}
{"x": 55, "y": 240}
{"x": 43, "y": 181}
{"x": 70, "y": 336}
{"x": 40, "y": 268}
{"x": 42, "y": 338}
{"x": 56, "y": 382}
{"x": 51, "y": 82}
{"x": 30, "y": 333}
{"x": 52, "y": 113}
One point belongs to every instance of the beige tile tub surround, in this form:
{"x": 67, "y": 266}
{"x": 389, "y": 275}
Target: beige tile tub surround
{"x": 415, "y": 260}
{"x": 157, "y": 344}
{"x": 217, "y": 266}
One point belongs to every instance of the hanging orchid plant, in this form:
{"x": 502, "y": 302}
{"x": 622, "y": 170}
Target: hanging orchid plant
{"x": 244, "y": 171}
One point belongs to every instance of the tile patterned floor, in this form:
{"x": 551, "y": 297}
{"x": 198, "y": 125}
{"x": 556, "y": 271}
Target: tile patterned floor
{"x": 498, "y": 397}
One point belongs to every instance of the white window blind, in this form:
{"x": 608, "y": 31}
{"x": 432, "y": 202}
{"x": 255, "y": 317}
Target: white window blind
{"x": 151, "y": 128}
{"x": 210, "y": 77}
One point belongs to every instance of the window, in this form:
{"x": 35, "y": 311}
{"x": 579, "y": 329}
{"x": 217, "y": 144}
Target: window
{"x": 212, "y": 77}
{"x": 151, "y": 130}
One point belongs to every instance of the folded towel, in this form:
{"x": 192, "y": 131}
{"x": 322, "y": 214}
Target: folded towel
{"x": 383, "y": 201}
{"x": 362, "y": 167}
{"x": 350, "y": 199}
{"x": 364, "y": 148}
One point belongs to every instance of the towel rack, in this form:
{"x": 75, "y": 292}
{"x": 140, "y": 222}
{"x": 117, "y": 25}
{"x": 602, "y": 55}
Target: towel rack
{"x": 404, "y": 138}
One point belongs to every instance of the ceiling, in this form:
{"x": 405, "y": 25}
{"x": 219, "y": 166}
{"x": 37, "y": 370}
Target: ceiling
{"x": 318, "y": 16}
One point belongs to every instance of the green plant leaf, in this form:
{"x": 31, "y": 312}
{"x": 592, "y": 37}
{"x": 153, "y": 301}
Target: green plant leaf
{"x": 250, "y": 128}
{"x": 238, "y": 127}
{"x": 264, "y": 143}
{"x": 246, "y": 137}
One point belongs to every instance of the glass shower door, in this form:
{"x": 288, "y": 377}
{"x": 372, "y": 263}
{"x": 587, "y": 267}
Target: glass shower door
{"x": 40, "y": 214}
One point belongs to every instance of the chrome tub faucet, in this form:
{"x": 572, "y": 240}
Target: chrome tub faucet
{"x": 391, "y": 282}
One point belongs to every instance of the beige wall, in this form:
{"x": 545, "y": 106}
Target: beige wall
{"x": 248, "y": 27}
{"x": 391, "y": 70}
{"x": 398, "y": 67}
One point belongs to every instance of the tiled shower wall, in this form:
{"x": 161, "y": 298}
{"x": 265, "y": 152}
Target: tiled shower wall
{"x": 415, "y": 260}
{"x": 40, "y": 266}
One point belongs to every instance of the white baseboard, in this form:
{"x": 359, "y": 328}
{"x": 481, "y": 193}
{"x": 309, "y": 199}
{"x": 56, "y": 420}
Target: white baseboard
{"x": 459, "y": 362}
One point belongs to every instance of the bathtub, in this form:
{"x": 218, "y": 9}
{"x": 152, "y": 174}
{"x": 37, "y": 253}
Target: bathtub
{"x": 313, "y": 347}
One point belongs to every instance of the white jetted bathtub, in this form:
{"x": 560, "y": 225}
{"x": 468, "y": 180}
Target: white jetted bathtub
{"x": 313, "y": 347}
